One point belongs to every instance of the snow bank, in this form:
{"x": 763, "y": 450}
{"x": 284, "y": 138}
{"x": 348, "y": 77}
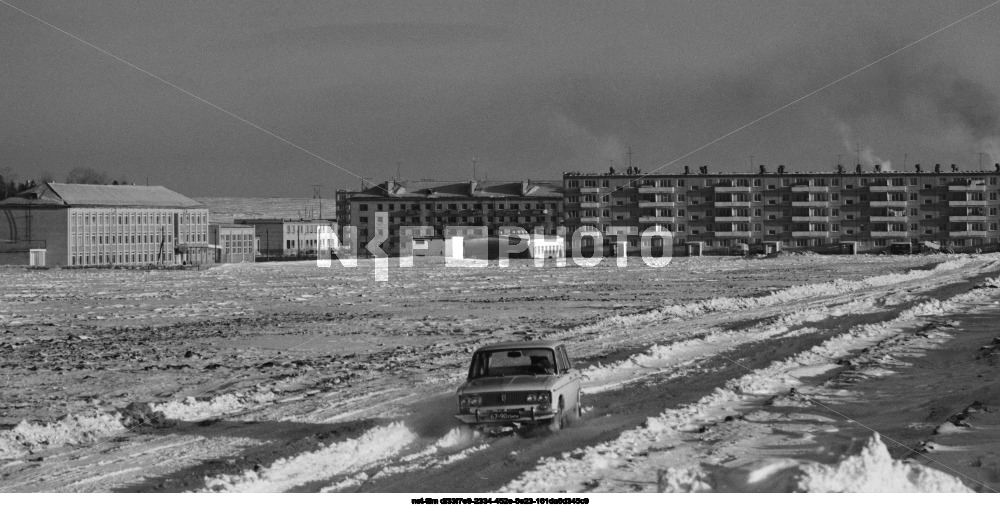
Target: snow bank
{"x": 73, "y": 429}
{"x": 874, "y": 471}
{"x": 191, "y": 409}
{"x": 340, "y": 458}
{"x": 791, "y": 294}
{"x": 659, "y": 357}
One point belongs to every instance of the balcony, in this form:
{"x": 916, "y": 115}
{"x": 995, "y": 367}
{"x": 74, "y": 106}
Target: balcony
{"x": 732, "y": 234}
{"x": 810, "y": 234}
{"x": 732, "y": 204}
{"x": 902, "y": 219}
{"x": 732, "y": 189}
{"x": 647, "y": 219}
{"x": 887, "y": 188}
{"x": 813, "y": 204}
{"x": 975, "y": 187}
{"x": 655, "y": 190}
{"x": 810, "y": 219}
{"x": 590, "y": 205}
{"x": 590, "y": 220}
{"x": 977, "y": 218}
{"x": 887, "y": 204}
{"x": 967, "y": 234}
{"x": 732, "y": 219}
{"x": 589, "y": 190}
{"x": 967, "y": 203}
{"x": 660, "y": 204}
{"x": 806, "y": 188}
{"x": 889, "y": 234}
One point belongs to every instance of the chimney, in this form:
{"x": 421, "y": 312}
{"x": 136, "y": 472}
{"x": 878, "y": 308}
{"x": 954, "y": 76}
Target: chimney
{"x": 857, "y": 168}
{"x": 937, "y": 168}
{"x": 954, "y": 168}
{"x": 997, "y": 166}
{"x": 763, "y": 169}
{"x": 781, "y": 169}
{"x": 917, "y": 166}
{"x": 878, "y": 168}
{"x": 637, "y": 169}
{"x": 703, "y": 169}
{"x": 840, "y": 169}
{"x": 687, "y": 169}
{"x": 472, "y": 188}
{"x": 611, "y": 170}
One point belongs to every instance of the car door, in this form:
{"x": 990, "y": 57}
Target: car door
{"x": 571, "y": 382}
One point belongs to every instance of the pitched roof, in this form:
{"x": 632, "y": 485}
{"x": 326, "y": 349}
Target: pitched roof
{"x": 461, "y": 189}
{"x": 67, "y": 194}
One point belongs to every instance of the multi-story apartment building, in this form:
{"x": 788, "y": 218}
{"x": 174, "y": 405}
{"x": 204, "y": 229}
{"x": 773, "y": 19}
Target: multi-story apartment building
{"x": 868, "y": 211}
{"x": 400, "y": 211}
{"x": 59, "y": 224}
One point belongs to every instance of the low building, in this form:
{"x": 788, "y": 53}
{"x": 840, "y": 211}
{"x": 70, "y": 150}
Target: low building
{"x": 276, "y": 237}
{"x": 61, "y": 224}
{"x": 233, "y": 243}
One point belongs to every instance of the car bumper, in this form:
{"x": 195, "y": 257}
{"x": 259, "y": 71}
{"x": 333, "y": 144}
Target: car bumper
{"x": 503, "y": 415}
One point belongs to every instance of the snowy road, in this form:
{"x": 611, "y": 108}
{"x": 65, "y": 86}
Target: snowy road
{"x": 658, "y": 381}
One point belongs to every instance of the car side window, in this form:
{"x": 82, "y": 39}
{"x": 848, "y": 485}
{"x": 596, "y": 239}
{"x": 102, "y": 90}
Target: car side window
{"x": 564, "y": 359}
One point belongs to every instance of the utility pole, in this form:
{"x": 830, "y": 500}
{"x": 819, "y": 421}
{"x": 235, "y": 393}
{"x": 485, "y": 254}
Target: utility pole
{"x": 316, "y": 195}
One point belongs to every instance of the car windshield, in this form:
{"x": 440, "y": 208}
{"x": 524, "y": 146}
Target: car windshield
{"x": 502, "y": 363}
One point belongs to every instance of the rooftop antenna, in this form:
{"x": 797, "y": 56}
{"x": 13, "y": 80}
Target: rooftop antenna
{"x": 629, "y": 146}
{"x": 981, "y": 161}
{"x": 473, "y": 168}
{"x": 397, "y": 170}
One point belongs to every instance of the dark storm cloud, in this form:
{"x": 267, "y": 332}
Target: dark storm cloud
{"x": 528, "y": 89}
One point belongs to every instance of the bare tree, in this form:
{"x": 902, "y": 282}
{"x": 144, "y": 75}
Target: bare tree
{"x": 87, "y": 175}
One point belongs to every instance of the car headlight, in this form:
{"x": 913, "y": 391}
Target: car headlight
{"x": 543, "y": 397}
{"x": 529, "y": 398}
{"x": 469, "y": 401}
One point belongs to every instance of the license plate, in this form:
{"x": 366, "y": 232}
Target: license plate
{"x": 504, "y": 416}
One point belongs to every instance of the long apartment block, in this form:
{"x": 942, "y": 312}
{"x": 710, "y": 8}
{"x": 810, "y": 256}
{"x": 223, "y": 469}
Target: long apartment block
{"x": 815, "y": 211}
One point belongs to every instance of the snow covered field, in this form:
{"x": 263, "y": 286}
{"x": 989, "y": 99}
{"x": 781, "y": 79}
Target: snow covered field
{"x": 800, "y": 373}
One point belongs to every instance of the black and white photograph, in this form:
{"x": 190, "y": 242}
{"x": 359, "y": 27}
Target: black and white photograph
{"x": 454, "y": 252}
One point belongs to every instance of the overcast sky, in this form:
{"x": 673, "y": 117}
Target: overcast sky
{"x": 529, "y": 89}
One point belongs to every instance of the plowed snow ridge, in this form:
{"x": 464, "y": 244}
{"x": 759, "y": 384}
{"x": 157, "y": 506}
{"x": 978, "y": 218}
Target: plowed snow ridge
{"x": 339, "y": 458}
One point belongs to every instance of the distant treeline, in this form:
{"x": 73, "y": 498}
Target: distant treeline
{"x": 12, "y": 184}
